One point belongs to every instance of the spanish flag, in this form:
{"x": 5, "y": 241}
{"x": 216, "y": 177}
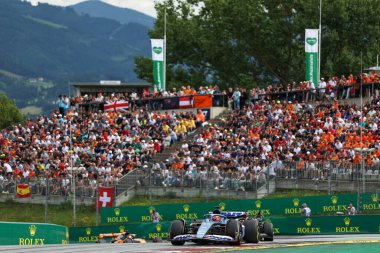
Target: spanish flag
{"x": 23, "y": 191}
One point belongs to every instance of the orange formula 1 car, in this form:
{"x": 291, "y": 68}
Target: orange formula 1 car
{"x": 124, "y": 237}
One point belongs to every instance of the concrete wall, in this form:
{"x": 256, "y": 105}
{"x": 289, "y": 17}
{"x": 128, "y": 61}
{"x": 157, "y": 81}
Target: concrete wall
{"x": 334, "y": 186}
{"x": 52, "y": 200}
{"x": 193, "y": 192}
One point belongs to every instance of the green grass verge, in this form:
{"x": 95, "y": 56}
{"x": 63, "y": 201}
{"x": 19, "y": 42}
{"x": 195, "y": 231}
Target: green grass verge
{"x": 283, "y": 193}
{"x": 57, "y": 214}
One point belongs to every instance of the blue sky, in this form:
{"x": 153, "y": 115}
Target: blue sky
{"x": 144, "y": 6}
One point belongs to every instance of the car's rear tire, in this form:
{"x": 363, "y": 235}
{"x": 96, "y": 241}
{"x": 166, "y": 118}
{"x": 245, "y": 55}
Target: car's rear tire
{"x": 252, "y": 234}
{"x": 268, "y": 230}
{"x": 233, "y": 230}
{"x": 177, "y": 228}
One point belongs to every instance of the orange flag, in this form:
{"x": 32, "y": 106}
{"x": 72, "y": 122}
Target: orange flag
{"x": 203, "y": 101}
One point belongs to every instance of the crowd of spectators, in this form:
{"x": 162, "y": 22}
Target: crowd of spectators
{"x": 260, "y": 137}
{"x": 277, "y": 138}
{"x": 102, "y": 146}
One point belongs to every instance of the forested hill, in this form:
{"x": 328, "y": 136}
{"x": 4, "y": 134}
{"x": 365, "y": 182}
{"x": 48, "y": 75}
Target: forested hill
{"x": 60, "y": 45}
{"x": 97, "y": 8}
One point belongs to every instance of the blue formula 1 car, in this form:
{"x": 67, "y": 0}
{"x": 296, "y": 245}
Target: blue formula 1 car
{"x": 221, "y": 227}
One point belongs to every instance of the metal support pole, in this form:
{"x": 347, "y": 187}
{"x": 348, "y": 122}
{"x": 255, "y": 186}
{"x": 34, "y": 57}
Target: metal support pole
{"x": 46, "y": 197}
{"x": 165, "y": 48}
{"x": 319, "y": 40}
{"x": 97, "y": 202}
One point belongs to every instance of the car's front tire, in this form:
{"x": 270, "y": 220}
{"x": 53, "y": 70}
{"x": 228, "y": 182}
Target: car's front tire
{"x": 177, "y": 228}
{"x": 252, "y": 234}
{"x": 233, "y": 230}
{"x": 268, "y": 230}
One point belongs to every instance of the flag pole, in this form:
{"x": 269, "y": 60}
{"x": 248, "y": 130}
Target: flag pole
{"x": 164, "y": 85}
{"x": 97, "y": 202}
{"x": 319, "y": 40}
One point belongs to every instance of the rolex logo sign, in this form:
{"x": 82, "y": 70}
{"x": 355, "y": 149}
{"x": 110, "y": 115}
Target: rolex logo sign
{"x": 117, "y": 211}
{"x": 186, "y": 208}
{"x": 308, "y": 229}
{"x": 222, "y": 206}
{"x": 32, "y": 230}
{"x": 121, "y": 229}
{"x": 347, "y": 221}
{"x": 158, "y": 227}
{"x": 258, "y": 204}
{"x": 296, "y": 202}
{"x": 88, "y": 231}
{"x": 308, "y": 222}
{"x": 334, "y": 200}
{"x": 374, "y": 198}
{"x": 32, "y": 241}
{"x": 347, "y": 228}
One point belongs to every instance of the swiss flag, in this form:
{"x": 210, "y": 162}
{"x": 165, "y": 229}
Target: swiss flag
{"x": 105, "y": 197}
{"x": 186, "y": 102}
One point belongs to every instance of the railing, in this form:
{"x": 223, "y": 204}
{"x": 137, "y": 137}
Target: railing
{"x": 307, "y": 95}
{"x": 329, "y": 172}
{"x": 56, "y": 186}
{"x": 340, "y": 171}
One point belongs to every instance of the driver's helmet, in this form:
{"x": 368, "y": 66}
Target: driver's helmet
{"x": 216, "y": 218}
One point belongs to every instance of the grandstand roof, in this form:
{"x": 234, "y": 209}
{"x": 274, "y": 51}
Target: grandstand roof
{"x": 107, "y": 86}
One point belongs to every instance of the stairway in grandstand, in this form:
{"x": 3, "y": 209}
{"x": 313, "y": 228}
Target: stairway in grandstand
{"x": 134, "y": 177}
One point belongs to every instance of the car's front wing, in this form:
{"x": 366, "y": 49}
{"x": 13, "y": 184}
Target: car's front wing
{"x": 216, "y": 238}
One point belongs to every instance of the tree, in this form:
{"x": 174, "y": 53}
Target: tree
{"x": 9, "y": 113}
{"x": 233, "y": 42}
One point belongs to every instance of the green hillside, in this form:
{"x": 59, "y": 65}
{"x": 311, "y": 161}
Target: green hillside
{"x": 61, "y": 46}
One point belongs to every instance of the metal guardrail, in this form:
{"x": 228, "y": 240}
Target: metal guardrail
{"x": 206, "y": 179}
{"x": 249, "y": 181}
{"x": 338, "y": 92}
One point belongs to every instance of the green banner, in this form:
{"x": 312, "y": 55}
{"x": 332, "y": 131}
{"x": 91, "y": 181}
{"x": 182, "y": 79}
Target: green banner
{"x": 158, "y": 63}
{"x": 312, "y": 68}
{"x": 158, "y": 74}
{"x": 12, "y": 233}
{"x": 311, "y": 50}
{"x": 314, "y": 225}
{"x": 143, "y": 230}
{"x": 320, "y": 205}
{"x": 354, "y": 224}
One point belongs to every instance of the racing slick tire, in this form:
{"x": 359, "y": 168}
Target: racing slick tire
{"x": 268, "y": 230}
{"x": 233, "y": 230}
{"x": 177, "y": 228}
{"x": 252, "y": 234}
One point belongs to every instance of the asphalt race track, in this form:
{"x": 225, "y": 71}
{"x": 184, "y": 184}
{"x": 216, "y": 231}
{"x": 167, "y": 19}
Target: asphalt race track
{"x": 279, "y": 242}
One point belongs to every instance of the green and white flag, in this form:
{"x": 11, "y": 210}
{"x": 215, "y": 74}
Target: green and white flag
{"x": 311, "y": 49}
{"x": 158, "y": 63}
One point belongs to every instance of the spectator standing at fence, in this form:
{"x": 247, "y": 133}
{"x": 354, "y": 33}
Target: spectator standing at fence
{"x": 312, "y": 91}
{"x": 66, "y": 104}
{"x": 61, "y": 106}
{"x": 155, "y": 216}
{"x": 236, "y": 98}
{"x": 306, "y": 211}
{"x": 322, "y": 89}
{"x": 351, "y": 209}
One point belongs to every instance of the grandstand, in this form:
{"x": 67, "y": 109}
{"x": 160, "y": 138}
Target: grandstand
{"x": 280, "y": 137}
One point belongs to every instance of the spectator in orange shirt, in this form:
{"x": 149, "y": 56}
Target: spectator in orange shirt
{"x": 200, "y": 118}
